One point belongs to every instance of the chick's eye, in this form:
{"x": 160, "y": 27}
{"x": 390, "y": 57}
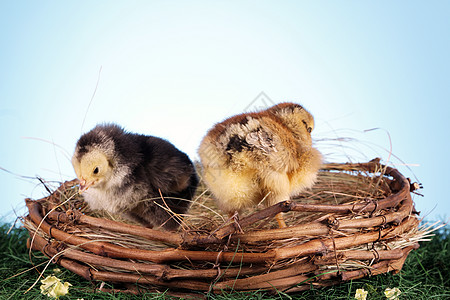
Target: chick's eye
{"x": 309, "y": 129}
{"x": 95, "y": 170}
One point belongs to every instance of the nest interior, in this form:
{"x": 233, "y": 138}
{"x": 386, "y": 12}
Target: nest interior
{"x": 358, "y": 220}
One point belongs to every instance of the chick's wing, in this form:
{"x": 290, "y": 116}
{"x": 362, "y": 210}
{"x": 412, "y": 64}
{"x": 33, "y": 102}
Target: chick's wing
{"x": 261, "y": 140}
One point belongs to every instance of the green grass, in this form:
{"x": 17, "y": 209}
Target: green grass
{"x": 425, "y": 275}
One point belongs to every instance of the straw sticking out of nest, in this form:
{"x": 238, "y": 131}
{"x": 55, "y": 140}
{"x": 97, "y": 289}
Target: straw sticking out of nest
{"x": 358, "y": 220}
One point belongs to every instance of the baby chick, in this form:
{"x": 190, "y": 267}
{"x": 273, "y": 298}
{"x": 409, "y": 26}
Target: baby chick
{"x": 126, "y": 174}
{"x": 266, "y": 155}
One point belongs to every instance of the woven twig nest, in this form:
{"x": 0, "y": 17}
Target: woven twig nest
{"x": 358, "y": 220}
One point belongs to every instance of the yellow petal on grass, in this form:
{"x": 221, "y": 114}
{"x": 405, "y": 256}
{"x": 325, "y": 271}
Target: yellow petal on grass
{"x": 392, "y": 294}
{"x": 361, "y": 294}
{"x": 53, "y": 287}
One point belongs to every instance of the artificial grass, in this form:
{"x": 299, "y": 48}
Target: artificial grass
{"x": 425, "y": 275}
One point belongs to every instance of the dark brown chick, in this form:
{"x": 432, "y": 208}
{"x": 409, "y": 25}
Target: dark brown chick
{"x": 126, "y": 174}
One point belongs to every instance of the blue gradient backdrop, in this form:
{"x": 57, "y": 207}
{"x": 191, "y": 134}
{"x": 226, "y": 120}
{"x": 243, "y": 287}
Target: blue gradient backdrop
{"x": 172, "y": 69}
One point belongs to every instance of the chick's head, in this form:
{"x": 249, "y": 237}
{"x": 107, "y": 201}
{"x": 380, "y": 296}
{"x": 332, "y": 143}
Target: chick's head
{"x": 297, "y": 118}
{"x": 93, "y": 169}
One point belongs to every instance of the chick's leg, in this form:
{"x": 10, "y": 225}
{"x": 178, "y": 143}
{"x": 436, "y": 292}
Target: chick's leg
{"x": 277, "y": 185}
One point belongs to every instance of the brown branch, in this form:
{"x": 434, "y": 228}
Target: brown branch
{"x": 163, "y": 272}
{"x": 148, "y": 233}
{"x": 269, "y": 212}
{"x": 170, "y": 254}
{"x": 318, "y": 229}
{"x": 346, "y": 255}
{"x": 325, "y": 246}
{"x": 90, "y": 274}
{"x": 372, "y": 166}
{"x": 280, "y": 279}
{"x": 172, "y": 238}
{"x": 394, "y": 265}
{"x": 144, "y": 279}
{"x": 248, "y": 285}
{"x": 306, "y": 286}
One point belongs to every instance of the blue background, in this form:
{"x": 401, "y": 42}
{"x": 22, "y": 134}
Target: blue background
{"x": 172, "y": 69}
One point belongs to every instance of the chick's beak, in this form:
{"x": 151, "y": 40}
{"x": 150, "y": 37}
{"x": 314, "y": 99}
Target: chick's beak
{"x": 84, "y": 185}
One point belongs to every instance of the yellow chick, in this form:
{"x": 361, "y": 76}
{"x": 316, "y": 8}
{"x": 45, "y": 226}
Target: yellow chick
{"x": 126, "y": 174}
{"x": 263, "y": 156}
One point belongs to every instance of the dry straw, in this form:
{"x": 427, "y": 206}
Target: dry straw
{"x": 358, "y": 220}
